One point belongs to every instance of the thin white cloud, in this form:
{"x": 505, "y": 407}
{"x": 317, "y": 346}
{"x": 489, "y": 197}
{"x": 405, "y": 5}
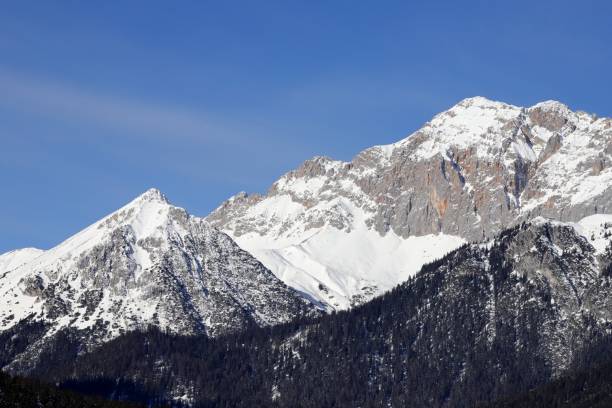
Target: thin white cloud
{"x": 71, "y": 103}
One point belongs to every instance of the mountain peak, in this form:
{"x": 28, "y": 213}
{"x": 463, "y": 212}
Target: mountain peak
{"x": 479, "y": 101}
{"x": 476, "y": 111}
{"x": 483, "y": 102}
{"x": 553, "y": 109}
{"x": 149, "y": 262}
{"x": 153, "y": 195}
{"x": 550, "y": 105}
{"x": 477, "y": 104}
{"x": 473, "y": 122}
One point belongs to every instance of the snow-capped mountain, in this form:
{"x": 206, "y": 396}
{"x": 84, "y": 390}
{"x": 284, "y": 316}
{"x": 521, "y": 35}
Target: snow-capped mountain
{"x": 149, "y": 263}
{"x": 345, "y": 231}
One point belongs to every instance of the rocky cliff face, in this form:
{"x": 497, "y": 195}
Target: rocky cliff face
{"x": 471, "y": 171}
{"x": 149, "y": 263}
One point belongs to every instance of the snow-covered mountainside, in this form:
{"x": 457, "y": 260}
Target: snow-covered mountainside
{"x": 489, "y": 320}
{"x": 345, "y": 231}
{"x": 149, "y": 263}
{"x": 18, "y": 257}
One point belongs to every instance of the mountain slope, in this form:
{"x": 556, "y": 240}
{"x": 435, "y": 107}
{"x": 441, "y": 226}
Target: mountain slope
{"x": 589, "y": 388}
{"x": 149, "y": 263}
{"x": 13, "y": 259}
{"x": 24, "y": 393}
{"x": 346, "y": 231}
{"x": 487, "y": 321}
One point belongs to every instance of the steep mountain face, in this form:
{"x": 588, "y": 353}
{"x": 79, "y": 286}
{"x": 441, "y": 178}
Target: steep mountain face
{"x": 486, "y": 321}
{"x": 345, "y": 231}
{"x": 149, "y": 263}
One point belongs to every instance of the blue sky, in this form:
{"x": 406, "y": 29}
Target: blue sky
{"x": 101, "y": 100}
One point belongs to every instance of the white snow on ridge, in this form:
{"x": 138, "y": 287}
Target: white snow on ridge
{"x": 576, "y": 172}
{"x": 13, "y": 259}
{"x": 347, "y": 262}
{"x": 597, "y": 229}
{"x": 464, "y": 125}
{"x": 552, "y": 105}
{"x": 12, "y": 302}
{"x": 333, "y": 265}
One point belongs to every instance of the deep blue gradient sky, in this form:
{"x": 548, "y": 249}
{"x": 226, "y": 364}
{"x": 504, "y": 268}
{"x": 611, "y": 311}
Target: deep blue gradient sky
{"x": 101, "y": 100}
